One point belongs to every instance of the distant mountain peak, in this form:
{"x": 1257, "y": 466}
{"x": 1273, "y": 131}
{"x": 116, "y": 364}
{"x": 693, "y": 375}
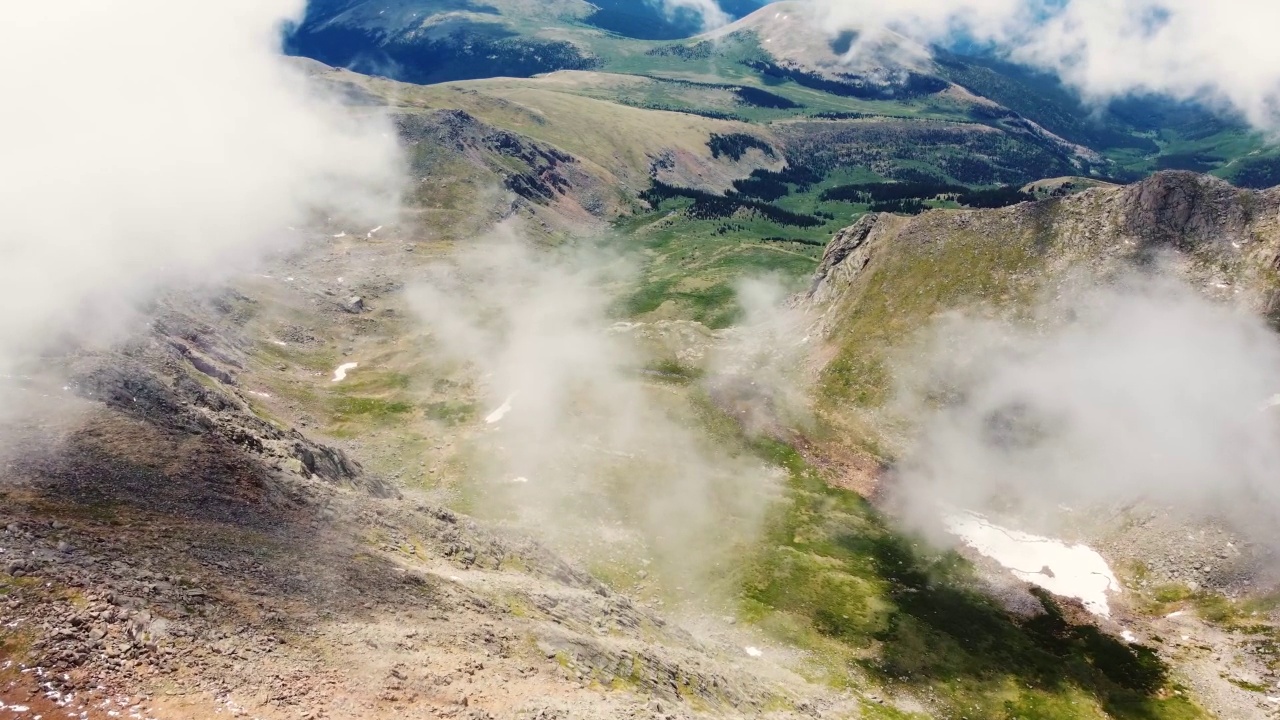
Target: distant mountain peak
{"x": 795, "y": 32}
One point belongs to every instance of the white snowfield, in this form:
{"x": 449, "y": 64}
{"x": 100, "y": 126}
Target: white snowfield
{"x": 1074, "y": 571}
{"x": 341, "y": 373}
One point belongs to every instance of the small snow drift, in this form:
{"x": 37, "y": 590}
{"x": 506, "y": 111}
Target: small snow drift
{"x": 501, "y": 412}
{"x": 754, "y": 652}
{"x": 340, "y": 374}
{"x": 1074, "y": 571}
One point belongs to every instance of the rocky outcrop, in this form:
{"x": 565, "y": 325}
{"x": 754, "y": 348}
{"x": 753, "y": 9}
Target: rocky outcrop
{"x": 1221, "y": 238}
{"x": 846, "y": 255}
{"x": 1185, "y": 210}
{"x": 164, "y": 380}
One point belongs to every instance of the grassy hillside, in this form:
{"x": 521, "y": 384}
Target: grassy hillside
{"x": 878, "y": 608}
{"x": 771, "y": 69}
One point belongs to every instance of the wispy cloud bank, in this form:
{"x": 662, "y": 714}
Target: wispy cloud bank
{"x": 146, "y": 141}
{"x": 1141, "y": 390}
{"x": 580, "y": 444}
{"x": 1223, "y": 53}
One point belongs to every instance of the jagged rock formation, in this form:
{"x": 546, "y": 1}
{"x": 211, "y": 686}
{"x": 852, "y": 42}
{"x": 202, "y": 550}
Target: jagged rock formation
{"x": 1188, "y": 211}
{"x": 1220, "y": 237}
{"x": 180, "y": 378}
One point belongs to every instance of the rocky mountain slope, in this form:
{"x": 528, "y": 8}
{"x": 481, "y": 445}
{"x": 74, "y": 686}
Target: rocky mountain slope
{"x": 258, "y": 503}
{"x": 1223, "y": 239}
{"x": 176, "y": 547}
{"x": 179, "y": 546}
{"x": 887, "y": 277}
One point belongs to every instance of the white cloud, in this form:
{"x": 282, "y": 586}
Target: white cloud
{"x": 581, "y": 448}
{"x": 709, "y": 10}
{"x": 1221, "y": 52}
{"x": 153, "y": 141}
{"x": 1109, "y": 395}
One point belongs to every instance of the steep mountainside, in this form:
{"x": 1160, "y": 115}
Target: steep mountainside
{"x": 887, "y": 275}
{"x": 1223, "y": 239}
{"x": 886, "y": 279}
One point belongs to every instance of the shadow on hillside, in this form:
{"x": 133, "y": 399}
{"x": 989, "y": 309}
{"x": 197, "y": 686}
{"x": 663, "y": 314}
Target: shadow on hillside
{"x": 198, "y": 506}
{"x": 941, "y": 631}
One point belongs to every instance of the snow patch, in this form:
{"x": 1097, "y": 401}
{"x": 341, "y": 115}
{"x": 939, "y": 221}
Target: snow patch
{"x": 501, "y": 412}
{"x": 520, "y": 480}
{"x": 341, "y": 373}
{"x": 1075, "y": 571}
{"x": 754, "y": 651}
{"x": 1128, "y": 636}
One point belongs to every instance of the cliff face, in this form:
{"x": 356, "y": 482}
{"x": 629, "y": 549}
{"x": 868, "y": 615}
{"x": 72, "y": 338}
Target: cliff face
{"x": 1185, "y": 210}
{"x": 1223, "y": 239}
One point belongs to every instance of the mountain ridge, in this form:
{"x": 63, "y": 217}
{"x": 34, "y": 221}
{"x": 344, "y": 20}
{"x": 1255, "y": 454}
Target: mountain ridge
{"x": 869, "y": 72}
